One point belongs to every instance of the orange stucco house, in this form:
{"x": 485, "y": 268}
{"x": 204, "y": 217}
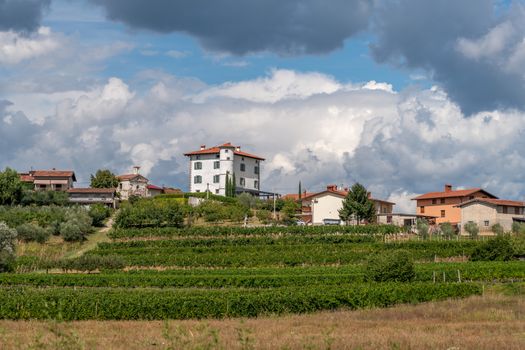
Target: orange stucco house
{"x": 443, "y": 205}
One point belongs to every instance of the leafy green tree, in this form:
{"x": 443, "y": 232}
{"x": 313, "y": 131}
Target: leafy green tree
{"x": 247, "y": 200}
{"x": 104, "y": 178}
{"x": 212, "y": 211}
{"x": 264, "y": 215}
{"x": 11, "y": 188}
{"x": 99, "y": 213}
{"x": 32, "y": 232}
{"x": 447, "y": 229}
{"x": 7, "y": 247}
{"x": 42, "y": 198}
{"x": 289, "y": 211}
{"x": 357, "y": 205}
{"x": 518, "y": 227}
{"x": 422, "y": 228}
{"x": 472, "y": 229}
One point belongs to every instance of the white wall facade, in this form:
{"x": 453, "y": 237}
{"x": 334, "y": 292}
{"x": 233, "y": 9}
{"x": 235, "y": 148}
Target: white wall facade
{"x": 325, "y": 206}
{"x": 205, "y": 175}
{"x": 133, "y": 187}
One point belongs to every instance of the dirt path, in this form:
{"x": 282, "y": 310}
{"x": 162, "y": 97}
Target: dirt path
{"x": 100, "y": 236}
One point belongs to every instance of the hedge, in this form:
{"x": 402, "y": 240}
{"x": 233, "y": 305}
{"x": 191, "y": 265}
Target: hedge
{"x": 150, "y": 304}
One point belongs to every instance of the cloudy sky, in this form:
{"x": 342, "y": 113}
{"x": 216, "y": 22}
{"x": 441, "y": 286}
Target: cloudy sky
{"x": 400, "y": 95}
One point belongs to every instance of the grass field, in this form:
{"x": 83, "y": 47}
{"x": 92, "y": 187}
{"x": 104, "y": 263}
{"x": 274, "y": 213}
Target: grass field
{"x": 492, "y": 321}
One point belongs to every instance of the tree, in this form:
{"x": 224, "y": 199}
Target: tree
{"x": 422, "y": 228}
{"x": 7, "y": 247}
{"x": 289, "y": 210}
{"x": 104, "y": 178}
{"x": 357, "y": 205}
{"x": 11, "y": 187}
{"x": 472, "y": 229}
{"x": 247, "y": 200}
{"x": 447, "y": 229}
{"x": 500, "y": 248}
{"x": 497, "y": 229}
{"x": 300, "y": 191}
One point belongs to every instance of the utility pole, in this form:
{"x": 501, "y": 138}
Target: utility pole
{"x": 274, "y": 215}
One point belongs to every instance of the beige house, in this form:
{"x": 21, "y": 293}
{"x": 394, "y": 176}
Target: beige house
{"x": 49, "y": 180}
{"x": 323, "y": 208}
{"x": 486, "y": 212}
{"x": 132, "y": 185}
{"x": 86, "y": 196}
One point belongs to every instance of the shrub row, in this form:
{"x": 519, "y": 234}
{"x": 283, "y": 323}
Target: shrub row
{"x": 249, "y": 231}
{"x": 116, "y": 304}
{"x": 263, "y": 278}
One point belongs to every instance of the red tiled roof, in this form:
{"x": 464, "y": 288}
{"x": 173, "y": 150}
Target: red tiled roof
{"x": 153, "y": 187}
{"x": 454, "y": 193}
{"x": 127, "y": 177}
{"x": 217, "y": 149}
{"x": 343, "y": 194}
{"x": 494, "y": 201}
{"x": 169, "y": 190}
{"x": 91, "y": 190}
{"x": 25, "y": 177}
{"x": 295, "y": 196}
{"x": 53, "y": 173}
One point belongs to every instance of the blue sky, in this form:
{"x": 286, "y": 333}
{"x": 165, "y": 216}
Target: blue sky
{"x": 402, "y": 95}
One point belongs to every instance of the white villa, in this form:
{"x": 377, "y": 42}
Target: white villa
{"x": 210, "y": 167}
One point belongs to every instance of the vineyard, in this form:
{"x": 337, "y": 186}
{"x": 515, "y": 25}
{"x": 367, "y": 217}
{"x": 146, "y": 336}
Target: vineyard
{"x": 217, "y": 272}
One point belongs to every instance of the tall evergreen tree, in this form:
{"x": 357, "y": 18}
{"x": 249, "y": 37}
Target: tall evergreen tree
{"x": 357, "y": 205}
{"x": 227, "y": 189}
{"x": 234, "y": 185}
{"x": 300, "y": 191}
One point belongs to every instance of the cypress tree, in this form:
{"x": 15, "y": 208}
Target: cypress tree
{"x": 300, "y": 191}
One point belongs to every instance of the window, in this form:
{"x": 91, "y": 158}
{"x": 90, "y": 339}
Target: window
{"x": 198, "y": 157}
{"x": 434, "y": 201}
{"x": 517, "y": 210}
{"x": 197, "y": 166}
{"x": 243, "y": 167}
{"x": 256, "y": 184}
{"x": 242, "y": 181}
{"x": 471, "y": 197}
{"x": 256, "y": 170}
{"x": 58, "y": 186}
{"x": 216, "y": 178}
{"x": 217, "y": 191}
{"x": 442, "y": 213}
{"x": 226, "y": 151}
{"x": 227, "y": 158}
{"x": 385, "y": 210}
{"x": 389, "y": 219}
{"x": 197, "y": 179}
{"x": 216, "y": 164}
{"x": 217, "y": 156}
{"x": 242, "y": 158}
{"x": 487, "y": 223}
{"x": 442, "y": 200}
{"x": 504, "y": 209}
{"x": 422, "y": 209}
{"x": 120, "y": 185}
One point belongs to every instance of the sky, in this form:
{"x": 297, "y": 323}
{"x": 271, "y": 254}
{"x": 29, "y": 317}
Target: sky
{"x": 402, "y": 96}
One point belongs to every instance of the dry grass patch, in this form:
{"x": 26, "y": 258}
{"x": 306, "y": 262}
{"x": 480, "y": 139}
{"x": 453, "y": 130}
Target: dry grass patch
{"x": 488, "y": 322}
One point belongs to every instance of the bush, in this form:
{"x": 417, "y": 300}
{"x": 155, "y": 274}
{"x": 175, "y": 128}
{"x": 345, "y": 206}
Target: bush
{"x": 150, "y": 213}
{"x": 264, "y": 215}
{"x": 31, "y": 232}
{"x": 497, "y": 229}
{"x": 472, "y": 229}
{"x": 518, "y": 227}
{"x": 77, "y": 225}
{"x": 99, "y": 213}
{"x": 93, "y": 262}
{"x": 42, "y": 198}
{"x": 396, "y": 266}
{"x": 497, "y": 249}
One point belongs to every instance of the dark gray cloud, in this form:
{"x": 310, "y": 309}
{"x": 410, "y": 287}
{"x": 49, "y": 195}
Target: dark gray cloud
{"x": 21, "y": 15}
{"x": 244, "y": 26}
{"x": 431, "y": 35}
{"x": 16, "y": 132}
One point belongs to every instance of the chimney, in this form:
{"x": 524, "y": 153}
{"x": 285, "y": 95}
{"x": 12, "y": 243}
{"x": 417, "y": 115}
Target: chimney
{"x": 237, "y": 148}
{"x": 203, "y": 147}
{"x": 136, "y": 169}
{"x": 331, "y": 187}
{"x": 448, "y": 188}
